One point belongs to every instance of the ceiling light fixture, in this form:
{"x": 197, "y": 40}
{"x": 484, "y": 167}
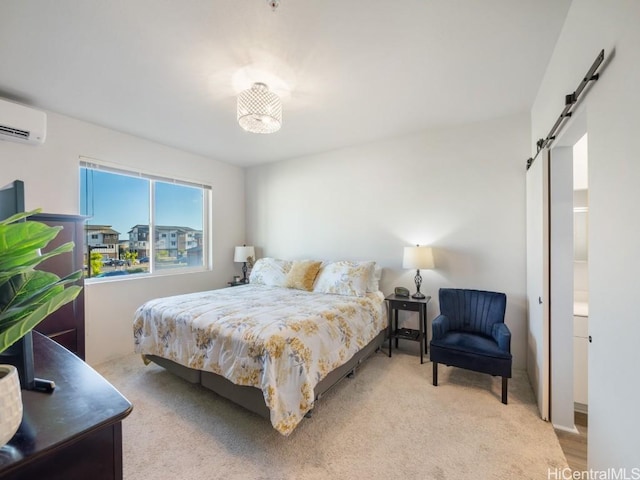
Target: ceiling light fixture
{"x": 259, "y": 110}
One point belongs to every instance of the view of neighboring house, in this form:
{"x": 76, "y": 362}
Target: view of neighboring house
{"x": 170, "y": 241}
{"x": 139, "y": 240}
{"x": 102, "y": 239}
{"x": 123, "y": 247}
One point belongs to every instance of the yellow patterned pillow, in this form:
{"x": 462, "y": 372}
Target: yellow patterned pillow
{"x": 302, "y": 274}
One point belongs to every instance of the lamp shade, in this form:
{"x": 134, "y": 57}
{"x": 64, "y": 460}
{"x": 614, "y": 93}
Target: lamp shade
{"x": 417, "y": 257}
{"x": 259, "y": 110}
{"x": 241, "y": 253}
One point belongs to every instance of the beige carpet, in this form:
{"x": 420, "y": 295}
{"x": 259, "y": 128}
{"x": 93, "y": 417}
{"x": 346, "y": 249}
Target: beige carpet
{"x": 388, "y": 422}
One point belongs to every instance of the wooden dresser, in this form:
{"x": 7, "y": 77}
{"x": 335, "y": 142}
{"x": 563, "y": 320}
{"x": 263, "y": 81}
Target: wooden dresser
{"x": 75, "y": 432}
{"x": 66, "y": 325}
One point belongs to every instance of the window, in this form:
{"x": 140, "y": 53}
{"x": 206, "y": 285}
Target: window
{"x": 94, "y": 236}
{"x": 141, "y": 212}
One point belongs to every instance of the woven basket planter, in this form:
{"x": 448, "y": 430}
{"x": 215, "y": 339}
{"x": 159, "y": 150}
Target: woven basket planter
{"x": 10, "y": 403}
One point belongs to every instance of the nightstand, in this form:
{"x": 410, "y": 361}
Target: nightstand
{"x": 410, "y": 304}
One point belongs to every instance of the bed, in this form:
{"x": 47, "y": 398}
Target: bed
{"x": 275, "y": 345}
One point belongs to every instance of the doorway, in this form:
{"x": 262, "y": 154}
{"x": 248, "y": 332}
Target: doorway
{"x": 581, "y": 276}
{"x": 569, "y": 293}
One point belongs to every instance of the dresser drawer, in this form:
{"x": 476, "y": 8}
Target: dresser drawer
{"x": 404, "y": 305}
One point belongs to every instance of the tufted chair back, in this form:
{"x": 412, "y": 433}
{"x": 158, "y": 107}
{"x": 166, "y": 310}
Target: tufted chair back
{"x": 472, "y": 310}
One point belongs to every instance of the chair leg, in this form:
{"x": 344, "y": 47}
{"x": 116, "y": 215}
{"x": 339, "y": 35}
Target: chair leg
{"x": 435, "y": 374}
{"x": 504, "y": 390}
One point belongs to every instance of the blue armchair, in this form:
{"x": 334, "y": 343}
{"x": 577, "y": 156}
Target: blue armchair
{"x": 470, "y": 333}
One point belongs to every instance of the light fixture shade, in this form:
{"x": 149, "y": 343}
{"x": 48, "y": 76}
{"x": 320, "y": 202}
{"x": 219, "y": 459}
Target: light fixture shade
{"x": 417, "y": 257}
{"x": 259, "y": 110}
{"x": 241, "y": 253}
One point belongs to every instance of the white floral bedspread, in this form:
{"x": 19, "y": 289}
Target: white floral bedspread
{"x": 283, "y": 341}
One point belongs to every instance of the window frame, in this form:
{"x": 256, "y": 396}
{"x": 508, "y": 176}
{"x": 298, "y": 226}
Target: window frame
{"x": 152, "y": 178}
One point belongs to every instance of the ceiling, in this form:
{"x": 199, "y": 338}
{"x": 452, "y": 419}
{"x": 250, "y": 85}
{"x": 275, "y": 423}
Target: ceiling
{"x": 348, "y": 71}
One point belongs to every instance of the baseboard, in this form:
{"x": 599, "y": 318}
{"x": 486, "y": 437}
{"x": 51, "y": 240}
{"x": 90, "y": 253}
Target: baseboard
{"x": 566, "y": 429}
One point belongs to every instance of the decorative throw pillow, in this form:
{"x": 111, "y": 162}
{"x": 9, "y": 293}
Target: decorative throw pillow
{"x": 302, "y": 274}
{"x": 270, "y": 271}
{"x": 346, "y": 278}
{"x": 374, "y": 281}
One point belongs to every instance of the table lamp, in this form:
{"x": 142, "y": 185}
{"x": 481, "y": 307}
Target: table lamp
{"x": 417, "y": 257}
{"x": 242, "y": 255}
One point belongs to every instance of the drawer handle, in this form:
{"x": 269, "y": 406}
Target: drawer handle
{"x": 404, "y": 305}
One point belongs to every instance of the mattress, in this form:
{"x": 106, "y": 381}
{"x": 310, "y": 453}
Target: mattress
{"x": 280, "y": 340}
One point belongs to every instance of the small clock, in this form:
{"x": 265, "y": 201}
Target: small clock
{"x": 401, "y": 292}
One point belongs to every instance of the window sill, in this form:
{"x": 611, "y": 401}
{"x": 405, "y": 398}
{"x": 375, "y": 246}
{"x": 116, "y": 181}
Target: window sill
{"x": 140, "y": 276}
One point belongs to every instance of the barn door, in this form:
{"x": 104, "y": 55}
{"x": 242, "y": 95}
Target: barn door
{"x": 538, "y": 361}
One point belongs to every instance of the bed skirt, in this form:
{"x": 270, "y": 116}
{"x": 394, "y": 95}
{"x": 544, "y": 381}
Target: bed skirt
{"x": 252, "y": 398}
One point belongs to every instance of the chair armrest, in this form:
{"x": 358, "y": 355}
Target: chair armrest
{"x": 501, "y": 334}
{"x": 440, "y": 326}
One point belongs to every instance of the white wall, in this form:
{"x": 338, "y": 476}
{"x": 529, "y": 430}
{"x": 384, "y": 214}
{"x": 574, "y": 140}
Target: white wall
{"x": 459, "y": 189}
{"x": 51, "y": 177}
{"x": 613, "y": 122}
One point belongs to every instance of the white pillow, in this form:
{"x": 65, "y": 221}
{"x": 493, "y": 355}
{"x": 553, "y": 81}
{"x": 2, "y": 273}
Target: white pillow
{"x": 374, "y": 281}
{"x": 270, "y": 271}
{"x": 345, "y": 278}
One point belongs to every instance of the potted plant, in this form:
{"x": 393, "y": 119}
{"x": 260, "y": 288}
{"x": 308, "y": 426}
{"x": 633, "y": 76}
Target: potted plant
{"x": 27, "y": 296}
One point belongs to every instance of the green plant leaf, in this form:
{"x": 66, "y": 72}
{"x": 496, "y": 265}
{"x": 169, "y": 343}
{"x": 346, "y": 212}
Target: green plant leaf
{"x": 17, "y": 236}
{"x": 19, "y": 216}
{"x": 15, "y": 314}
{"x": 28, "y": 295}
{"x": 23, "y": 286}
{"x": 26, "y": 235}
{"x": 32, "y": 289}
{"x": 14, "y": 333}
{"x": 21, "y": 263}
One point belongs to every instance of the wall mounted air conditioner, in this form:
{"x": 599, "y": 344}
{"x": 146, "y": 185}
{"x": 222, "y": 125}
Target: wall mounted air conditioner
{"x": 19, "y": 123}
